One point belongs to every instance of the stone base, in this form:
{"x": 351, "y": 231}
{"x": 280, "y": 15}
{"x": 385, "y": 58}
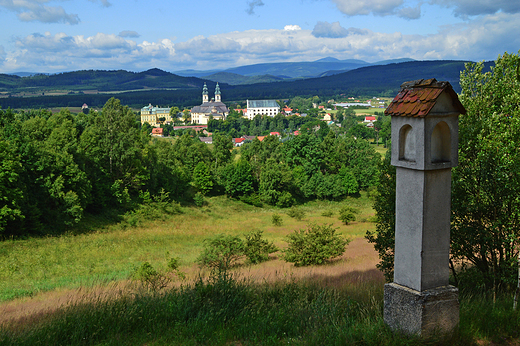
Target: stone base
{"x": 430, "y": 312}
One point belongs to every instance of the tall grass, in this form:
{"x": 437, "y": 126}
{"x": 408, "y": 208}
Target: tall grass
{"x": 226, "y": 310}
{"x": 105, "y": 253}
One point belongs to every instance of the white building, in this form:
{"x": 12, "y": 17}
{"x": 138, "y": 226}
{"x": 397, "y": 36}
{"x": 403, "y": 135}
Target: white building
{"x": 262, "y": 107}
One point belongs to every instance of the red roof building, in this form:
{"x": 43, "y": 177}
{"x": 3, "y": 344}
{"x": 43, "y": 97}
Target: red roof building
{"x": 417, "y": 98}
{"x": 157, "y": 131}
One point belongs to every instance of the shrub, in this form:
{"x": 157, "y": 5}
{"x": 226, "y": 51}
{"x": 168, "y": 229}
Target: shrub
{"x": 296, "y": 213}
{"x": 276, "y": 220}
{"x": 221, "y": 252}
{"x": 346, "y": 214}
{"x": 150, "y": 277}
{"x": 285, "y": 200}
{"x": 256, "y": 248}
{"x": 315, "y": 245}
{"x": 327, "y": 213}
{"x": 198, "y": 199}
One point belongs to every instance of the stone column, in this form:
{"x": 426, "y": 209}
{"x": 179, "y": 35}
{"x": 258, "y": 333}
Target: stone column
{"x": 424, "y": 149}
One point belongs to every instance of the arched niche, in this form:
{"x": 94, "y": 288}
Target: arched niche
{"x": 406, "y": 144}
{"x": 441, "y": 143}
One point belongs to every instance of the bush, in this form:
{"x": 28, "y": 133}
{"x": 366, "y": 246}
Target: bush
{"x": 285, "y": 200}
{"x": 221, "y": 252}
{"x": 150, "y": 277}
{"x": 327, "y": 213}
{"x": 276, "y": 220}
{"x": 257, "y": 249}
{"x": 315, "y": 245}
{"x": 198, "y": 199}
{"x": 346, "y": 214}
{"x": 296, "y": 213}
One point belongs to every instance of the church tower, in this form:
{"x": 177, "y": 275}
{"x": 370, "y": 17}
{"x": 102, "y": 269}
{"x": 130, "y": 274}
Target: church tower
{"x": 205, "y": 94}
{"x": 217, "y": 94}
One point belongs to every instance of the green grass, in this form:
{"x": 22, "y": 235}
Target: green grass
{"x": 100, "y": 252}
{"x": 225, "y": 310}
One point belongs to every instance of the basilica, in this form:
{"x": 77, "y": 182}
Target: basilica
{"x": 209, "y": 109}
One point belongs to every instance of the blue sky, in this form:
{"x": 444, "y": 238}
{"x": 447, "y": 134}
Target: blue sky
{"x": 136, "y": 35}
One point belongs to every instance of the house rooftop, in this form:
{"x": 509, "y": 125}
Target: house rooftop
{"x": 417, "y": 98}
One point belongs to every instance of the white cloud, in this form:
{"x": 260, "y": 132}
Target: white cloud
{"x": 292, "y": 28}
{"x": 484, "y": 38}
{"x": 35, "y": 10}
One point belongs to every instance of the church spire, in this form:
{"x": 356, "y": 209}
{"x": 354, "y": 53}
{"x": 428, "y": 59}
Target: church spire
{"x": 205, "y": 93}
{"x": 217, "y": 93}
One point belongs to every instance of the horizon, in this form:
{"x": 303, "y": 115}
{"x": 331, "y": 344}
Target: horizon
{"x": 56, "y": 36}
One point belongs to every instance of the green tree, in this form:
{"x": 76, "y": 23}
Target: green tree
{"x": 11, "y": 193}
{"x": 486, "y": 183}
{"x": 202, "y": 179}
{"x": 222, "y": 145}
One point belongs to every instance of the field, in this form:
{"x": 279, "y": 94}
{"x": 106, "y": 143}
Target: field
{"x": 106, "y": 254}
{"x": 76, "y": 289}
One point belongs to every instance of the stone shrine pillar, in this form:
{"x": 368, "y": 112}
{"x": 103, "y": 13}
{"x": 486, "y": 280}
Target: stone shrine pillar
{"x": 424, "y": 149}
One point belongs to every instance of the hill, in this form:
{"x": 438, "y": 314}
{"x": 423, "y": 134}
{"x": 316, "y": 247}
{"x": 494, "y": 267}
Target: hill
{"x": 237, "y": 79}
{"x": 166, "y": 89}
{"x": 294, "y": 70}
{"x": 97, "y": 80}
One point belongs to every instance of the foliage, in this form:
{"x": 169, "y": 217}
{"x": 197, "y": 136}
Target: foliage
{"x": 327, "y": 213}
{"x": 314, "y": 245}
{"x": 149, "y": 277}
{"x": 276, "y": 220}
{"x": 202, "y": 179}
{"x": 221, "y": 252}
{"x": 256, "y": 248}
{"x": 199, "y": 199}
{"x": 296, "y": 213}
{"x": 347, "y": 214}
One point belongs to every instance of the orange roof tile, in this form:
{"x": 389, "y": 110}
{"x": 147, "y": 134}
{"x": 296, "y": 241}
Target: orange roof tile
{"x": 417, "y": 98}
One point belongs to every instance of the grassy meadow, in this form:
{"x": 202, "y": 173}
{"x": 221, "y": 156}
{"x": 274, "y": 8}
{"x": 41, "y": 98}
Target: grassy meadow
{"x": 110, "y": 252}
{"x": 75, "y": 289}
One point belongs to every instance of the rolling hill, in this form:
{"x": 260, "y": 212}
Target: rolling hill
{"x": 167, "y": 89}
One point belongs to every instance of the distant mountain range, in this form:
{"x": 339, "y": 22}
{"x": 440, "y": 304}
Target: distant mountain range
{"x": 163, "y": 88}
{"x": 269, "y": 72}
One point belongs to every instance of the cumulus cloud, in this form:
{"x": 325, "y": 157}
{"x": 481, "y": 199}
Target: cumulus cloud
{"x": 482, "y": 39}
{"x": 252, "y": 5}
{"x": 292, "y": 28}
{"x": 466, "y": 8}
{"x": 332, "y": 30}
{"x": 129, "y": 33}
{"x": 35, "y": 10}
